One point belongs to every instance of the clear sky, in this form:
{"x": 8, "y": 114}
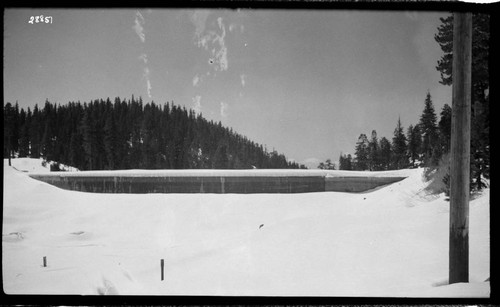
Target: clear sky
{"x": 304, "y": 82}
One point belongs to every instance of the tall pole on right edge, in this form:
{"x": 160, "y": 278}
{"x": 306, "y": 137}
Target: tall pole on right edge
{"x": 460, "y": 148}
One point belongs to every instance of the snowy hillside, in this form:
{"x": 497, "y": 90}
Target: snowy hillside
{"x": 392, "y": 241}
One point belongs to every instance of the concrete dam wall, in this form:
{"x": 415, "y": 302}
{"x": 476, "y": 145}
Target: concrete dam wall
{"x": 357, "y": 184}
{"x": 212, "y": 184}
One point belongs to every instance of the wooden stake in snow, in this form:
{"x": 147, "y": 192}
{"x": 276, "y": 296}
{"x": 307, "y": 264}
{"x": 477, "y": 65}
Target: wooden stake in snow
{"x": 460, "y": 148}
{"x": 44, "y": 261}
{"x": 162, "y": 265}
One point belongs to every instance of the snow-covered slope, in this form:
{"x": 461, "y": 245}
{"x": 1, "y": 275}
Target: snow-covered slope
{"x": 392, "y": 241}
{"x": 37, "y": 166}
{"x": 28, "y": 165}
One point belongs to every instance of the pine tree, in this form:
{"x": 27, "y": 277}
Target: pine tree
{"x": 414, "y": 138}
{"x": 89, "y": 135}
{"x": 362, "y": 153}
{"x": 75, "y": 149}
{"x": 348, "y": 162}
{"x": 480, "y": 51}
{"x": 374, "y": 152}
{"x": 15, "y": 127}
{"x": 480, "y": 148}
{"x": 136, "y": 136}
{"x": 399, "y": 147}
{"x": 47, "y": 135}
{"x": 428, "y": 128}
{"x": 46, "y": 149}
{"x": 8, "y": 130}
{"x": 341, "y": 161}
{"x": 385, "y": 154}
{"x": 110, "y": 144}
{"x": 25, "y": 121}
{"x": 35, "y": 137}
{"x": 221, "y": 159}
{"x": 445, "y": 128}
{"x": 328, "y": 165}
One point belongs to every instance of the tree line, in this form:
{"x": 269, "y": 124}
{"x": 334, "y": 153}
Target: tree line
{"x": 128, "y": 134}
{"x": 428, "y": 142}
{"x": 425, "y": 144}
{"x": 422, "y": 144}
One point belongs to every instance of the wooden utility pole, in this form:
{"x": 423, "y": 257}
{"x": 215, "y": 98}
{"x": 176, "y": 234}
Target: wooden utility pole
{"x": 162, "y": 266}
{"x": 460, "y": 148}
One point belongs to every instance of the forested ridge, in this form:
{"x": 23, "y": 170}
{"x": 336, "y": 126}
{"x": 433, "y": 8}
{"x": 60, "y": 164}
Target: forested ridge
{"x": 128, "y": 134}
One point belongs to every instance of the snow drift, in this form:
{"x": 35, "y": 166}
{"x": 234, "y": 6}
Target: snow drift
{"x": 391, "y": 242}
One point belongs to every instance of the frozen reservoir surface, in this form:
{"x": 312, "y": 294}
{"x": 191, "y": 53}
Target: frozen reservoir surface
{"x": 390, "y": 242}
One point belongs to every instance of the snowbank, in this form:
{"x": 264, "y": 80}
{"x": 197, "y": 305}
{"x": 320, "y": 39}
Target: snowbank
{"x": 28, "y": 165}
{"x": 36, "y": 166}
{"x": 392, "y": 241}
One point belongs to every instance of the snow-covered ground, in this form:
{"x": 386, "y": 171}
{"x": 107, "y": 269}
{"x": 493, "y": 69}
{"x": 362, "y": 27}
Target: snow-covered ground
{"x": 392, "y": 241}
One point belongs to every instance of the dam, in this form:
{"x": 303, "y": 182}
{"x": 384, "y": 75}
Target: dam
{"x": 218, "y": 181}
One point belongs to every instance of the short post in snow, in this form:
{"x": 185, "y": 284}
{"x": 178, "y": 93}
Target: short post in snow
{"x": 44, "y": 261}
{"x": 460, "y": 148}
{"x": 162, "y": 265}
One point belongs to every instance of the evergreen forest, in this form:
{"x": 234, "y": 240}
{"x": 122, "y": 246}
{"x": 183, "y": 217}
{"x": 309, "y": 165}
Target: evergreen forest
{"x": 427, "y": 143}
{"x": 128, "y": 134}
